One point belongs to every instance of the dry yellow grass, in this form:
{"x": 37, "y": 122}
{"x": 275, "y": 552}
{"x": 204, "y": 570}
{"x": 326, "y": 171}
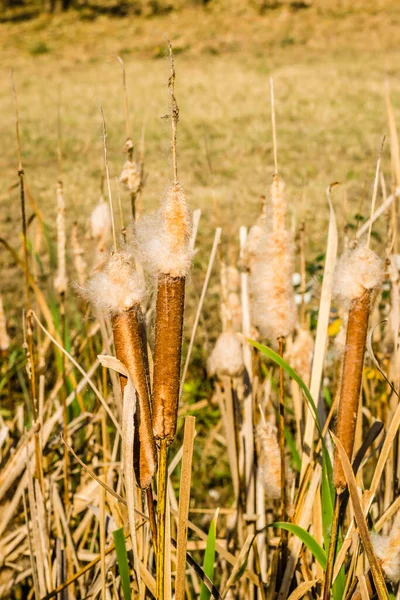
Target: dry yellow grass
{"x": 328, "y": 64}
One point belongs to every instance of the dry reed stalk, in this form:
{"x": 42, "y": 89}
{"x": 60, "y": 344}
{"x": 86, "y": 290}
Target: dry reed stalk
{"x": 183, "y": 511}
{"x": 60, "y": 284}
{"x": 29, "y": 349}
{"x": 321, "y": 335}
{"x": 131, "y": 174}
{"x": 214, "y": 249}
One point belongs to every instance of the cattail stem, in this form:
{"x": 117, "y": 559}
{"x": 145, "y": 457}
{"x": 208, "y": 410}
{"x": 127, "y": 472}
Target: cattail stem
{"x": 283, "y": 503}
{"x": 64, "y": 405}
{"x": 332, "y": 549}
{"x": 357, "y": 329}
{"x": 167, "y": 355}
{"x": 29, "y": 321}
{"x": 152, "y": 516}
{"x": 131, "y": 350}
{"x": 161, "y": 513}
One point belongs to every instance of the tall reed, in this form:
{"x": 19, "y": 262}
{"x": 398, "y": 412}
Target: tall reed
{"x": 163, "y": 240}
{"x": 359, "y": 274}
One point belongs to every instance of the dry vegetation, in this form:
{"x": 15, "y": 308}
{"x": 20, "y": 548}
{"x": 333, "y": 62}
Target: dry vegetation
{"x": 268, "y": 466}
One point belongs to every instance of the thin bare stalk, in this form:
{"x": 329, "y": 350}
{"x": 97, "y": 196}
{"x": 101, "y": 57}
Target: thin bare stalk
{"x": 161, "y": 512}
{"x": 29, "y": 321}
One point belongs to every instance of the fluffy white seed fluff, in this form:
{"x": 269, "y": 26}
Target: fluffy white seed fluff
{"x": 130, "y": 176}
{"x": 162, "y": 239}
{"x": 357, "y": 270}
{"x": 100, "y": 221}
{"x": 231, "y": 306}
{"x": 227, "y": 356}
{"x": 299, "y": 354}
{"x": 269, "y": 459}
{"x": 271, "y": 287}
{"x": 254, "y": 236}
{"x": 387, "y": 550}
{"x": 61, "y": 282}
{"x": 4, "y": 339}
{"x": 116, "y": 286}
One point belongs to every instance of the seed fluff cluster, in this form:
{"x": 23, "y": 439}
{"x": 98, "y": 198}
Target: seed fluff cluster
{"x": 271, "y": 288}
{"x": 116, "y": 285}
{"x": 162, "y": 239}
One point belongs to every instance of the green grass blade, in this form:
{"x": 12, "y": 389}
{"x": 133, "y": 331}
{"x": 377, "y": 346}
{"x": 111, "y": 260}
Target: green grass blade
{"x": 122, "y": 560}
{"x": 292, "y": 373}
{"x": 307, "y": 539}
{"x": 209, "y": 558}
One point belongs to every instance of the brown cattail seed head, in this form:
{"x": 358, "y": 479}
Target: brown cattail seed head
{"x": 167, "y": 355}
{"x": 131, "y": 349}
{"x": 358, "y": 275}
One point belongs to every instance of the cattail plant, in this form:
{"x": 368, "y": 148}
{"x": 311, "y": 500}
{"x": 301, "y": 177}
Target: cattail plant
{"x": 271, "y": 288}
{"x": 273, "y": 306}
{"x": 164, "y": 244}
{"x": 269, "y": 459}
{"x": 118, "y": 289}
{"x": 60, "y": 284}
{"x": 359, "y": 274}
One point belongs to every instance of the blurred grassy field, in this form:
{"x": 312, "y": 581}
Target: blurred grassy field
{"x": 329, "y": 63}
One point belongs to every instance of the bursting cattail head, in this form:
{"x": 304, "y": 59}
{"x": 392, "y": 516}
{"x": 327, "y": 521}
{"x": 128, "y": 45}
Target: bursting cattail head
{"x": 231, "y": 307}
{"x": 226, "y": 357}
{"x": 116, "y": 286}
{"x": 4, "y": 339}
{"x": 357, "y": 270}
{"x": 271, "y": 287}
{"x": 131, "y": 175}
{"x": 162, "y": 239}
{"x": 61, "y": 281}
{"x": 255, "y": 234}
{"x": 100, "y": 222}
{"x": 269, "y": 458}
{"x": 387, "y": 550}
{"x": 299, "y": 354}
